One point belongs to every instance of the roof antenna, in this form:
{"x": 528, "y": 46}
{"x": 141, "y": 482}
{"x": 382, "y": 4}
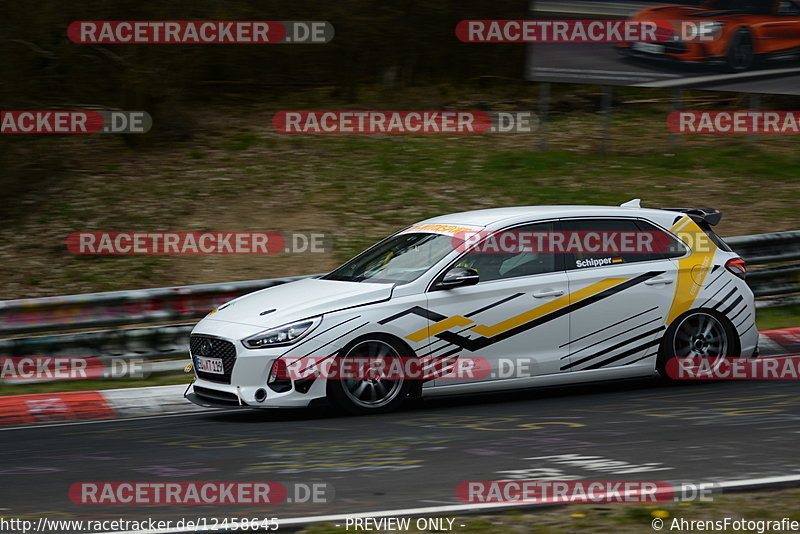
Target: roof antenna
{"x": 635, "y": 203}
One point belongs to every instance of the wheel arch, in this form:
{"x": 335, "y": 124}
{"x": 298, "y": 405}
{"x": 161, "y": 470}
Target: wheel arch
{"x": 669, "y": 330}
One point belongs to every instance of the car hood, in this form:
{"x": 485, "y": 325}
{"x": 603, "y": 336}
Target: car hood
{"x": 278, "y": 305}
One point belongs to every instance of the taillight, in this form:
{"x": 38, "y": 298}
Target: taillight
{"x": 737, "y": 266}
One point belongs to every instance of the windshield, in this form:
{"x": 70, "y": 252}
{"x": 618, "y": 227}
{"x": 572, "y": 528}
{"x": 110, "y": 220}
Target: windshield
{"x": 400, "y": 259}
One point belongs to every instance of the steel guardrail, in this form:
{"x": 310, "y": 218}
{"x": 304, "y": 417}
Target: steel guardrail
{"x": 42, "y": 326}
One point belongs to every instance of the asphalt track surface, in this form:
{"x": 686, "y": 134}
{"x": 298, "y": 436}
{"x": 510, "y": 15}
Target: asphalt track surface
{"x": 601, "y": 64}
{"x": 634, "y": 430}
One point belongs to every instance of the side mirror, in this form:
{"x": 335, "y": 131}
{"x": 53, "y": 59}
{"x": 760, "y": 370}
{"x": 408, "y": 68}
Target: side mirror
{"x": 459, "y": 277}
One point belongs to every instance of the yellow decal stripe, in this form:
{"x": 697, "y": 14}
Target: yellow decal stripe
{"x": 553, "y": 305}
{"x": 688, "y": 285}
{"x": 438, "y": 328}
{"x": 679, "y": 225}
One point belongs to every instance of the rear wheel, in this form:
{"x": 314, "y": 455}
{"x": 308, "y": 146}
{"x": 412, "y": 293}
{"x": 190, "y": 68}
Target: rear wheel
{"x": 698, "y": 334}
{"x": 368, "y": 387}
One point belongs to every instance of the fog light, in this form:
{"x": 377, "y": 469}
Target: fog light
{"x": 278, "y": 380}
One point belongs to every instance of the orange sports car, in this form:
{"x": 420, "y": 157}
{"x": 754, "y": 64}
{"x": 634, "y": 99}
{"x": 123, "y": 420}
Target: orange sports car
{"x": 734, "y": 34}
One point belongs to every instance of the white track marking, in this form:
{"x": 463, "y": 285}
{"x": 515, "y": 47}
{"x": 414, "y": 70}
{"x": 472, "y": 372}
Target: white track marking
{"x": 430, "y": 510}
{"x": 720, "y": 78}
{"x": 117, "y": 420}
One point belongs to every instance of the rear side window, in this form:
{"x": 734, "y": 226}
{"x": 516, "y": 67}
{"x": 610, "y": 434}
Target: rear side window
{"x": 675, "y": 248}
{"x": 620, "y": 241}
{"x": 717, "y": 240}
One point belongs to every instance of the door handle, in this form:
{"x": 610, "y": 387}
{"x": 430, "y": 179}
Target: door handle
{"x": 545, "y": 294}
{"x": 658, "y": 281}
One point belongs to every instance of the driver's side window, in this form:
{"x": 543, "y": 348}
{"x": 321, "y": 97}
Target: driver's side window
{"x": 498, "y": 258}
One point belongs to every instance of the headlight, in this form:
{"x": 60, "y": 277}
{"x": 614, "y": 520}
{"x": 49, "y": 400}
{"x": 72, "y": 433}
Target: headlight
{"x": 282, "y": 335}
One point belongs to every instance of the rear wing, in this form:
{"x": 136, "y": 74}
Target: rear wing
{"x": 709, "y": 216}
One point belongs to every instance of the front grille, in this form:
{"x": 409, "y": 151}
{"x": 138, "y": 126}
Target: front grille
{"x": 675, "y": 47}
{"x": 212, "y": 347}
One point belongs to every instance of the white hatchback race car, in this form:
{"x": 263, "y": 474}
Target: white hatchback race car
{"x": 480, "y": 301}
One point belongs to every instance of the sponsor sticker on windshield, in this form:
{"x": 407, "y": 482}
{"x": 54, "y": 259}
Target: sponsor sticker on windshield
{"x": 444, "y": 229}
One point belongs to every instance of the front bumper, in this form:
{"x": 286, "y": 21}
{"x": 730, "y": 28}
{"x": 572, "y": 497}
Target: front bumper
{"x": 209, "y": 398}
{"x": 244, "y": 382}
{"x": 677, "y": 53}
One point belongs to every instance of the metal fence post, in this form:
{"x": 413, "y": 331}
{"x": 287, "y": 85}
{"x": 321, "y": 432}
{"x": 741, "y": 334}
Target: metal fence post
{"x": 544, "y": 112}
{"x": 607, "y": 107}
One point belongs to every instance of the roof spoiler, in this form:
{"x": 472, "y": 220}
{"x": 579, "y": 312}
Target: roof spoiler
{"x": 701, "y": 215}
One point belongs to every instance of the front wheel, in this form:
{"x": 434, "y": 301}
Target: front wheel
{"x": 698, "y": 334}
{"x": 364, "y": 386}
{"x": 741, "y": 54}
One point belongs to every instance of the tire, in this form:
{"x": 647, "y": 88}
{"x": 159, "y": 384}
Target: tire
{"x": 366, "y": 396}
{"x": 741, "y": 53}
{"x": 698, "y": 333}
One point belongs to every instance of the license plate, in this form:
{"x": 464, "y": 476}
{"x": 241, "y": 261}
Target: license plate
{"x": 648, "y": 48}
{"x": 210, "y": 365}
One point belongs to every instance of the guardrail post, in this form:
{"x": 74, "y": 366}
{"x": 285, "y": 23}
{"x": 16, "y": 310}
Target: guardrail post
{"x": 607, "y": 107}
{"x": 677, "y": 105}
{"x": 755, "y": 105}
{"x": 544, "y": 112}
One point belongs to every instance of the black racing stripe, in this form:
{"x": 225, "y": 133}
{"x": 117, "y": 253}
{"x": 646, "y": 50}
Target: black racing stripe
{"x": 613, "y": 348}
{"x": 313, "y": 363}
{"x": 739, "y": 313}
{"x": 742, "y": 321}
{"x": 343, "y": 335}
{"x": 479, "y": 343}
{"x": 622, "y": 355}
{"x": 432, "y": 343}
{"x": 609, "y": 326}
{"x": 709, "y": 299}
{"x": 724, "y": 299}
{"x": 735, "y": 303}
{"x": 752, "y": 325}
{"x": 719, "y": 277}
{"x": 416, "y": 310}
{"x": 642, "y": 358}
{"x": 445, "y": 346}
{"x": 438, "y": 365}
{"x": 446, "y": 354}
{"x": 714, "y": 269}
{"x": 612, "y": 337}
{"x": 320, "y": 333}
{"x": 490, "y": 306}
